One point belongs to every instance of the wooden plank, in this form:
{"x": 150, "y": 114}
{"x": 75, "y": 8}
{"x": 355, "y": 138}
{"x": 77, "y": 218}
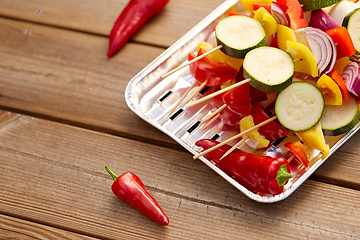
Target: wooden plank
{"x": 98, "y": 17}
{"x": 341, "y": 167}
{"x": 55, "y": 75}
{"x": 52, "y": 73}
{"x": 14, "y": 228}
{"x": 54, "y": 174}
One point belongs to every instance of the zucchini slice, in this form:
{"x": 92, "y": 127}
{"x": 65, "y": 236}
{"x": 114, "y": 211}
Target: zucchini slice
{"x": 238, "y": 35}
{"x": 270, "y": 69}
{"x": 337, "y": 120}
{"x": 309, "y": 5}
{"x": 299, "y": 106}
{"x": 352, "y": 22}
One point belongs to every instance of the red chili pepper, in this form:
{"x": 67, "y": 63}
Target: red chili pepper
{"x": 271, "y": 131}
{"x": 256, "y": 6}
{"x": 299, "y": 151}
{"x": 260, "y": 174}
{"x": 295, "y": 12}
{"x": 343, "y": 42}
{"x": 130, "y": 188}
{"x": 340, "y": 82}
{"x": 134, "y": 16}
{"x": 207, "y": 69}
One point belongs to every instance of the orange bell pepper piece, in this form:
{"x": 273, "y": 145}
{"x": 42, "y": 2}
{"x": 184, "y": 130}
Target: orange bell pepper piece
{"x": 343, "y": 42}
{"x": 299, "y": 151}
{"x": 340, "y": 82}
{"x": 296, "y": 15}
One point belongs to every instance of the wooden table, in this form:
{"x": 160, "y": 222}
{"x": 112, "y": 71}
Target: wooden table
{"x": 63, "y": 117}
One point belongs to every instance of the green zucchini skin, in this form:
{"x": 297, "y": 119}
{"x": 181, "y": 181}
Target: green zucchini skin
{"x": 311, "y": 114}
{"x": 265, "y": 87}
{"x": 338, "y": 130}
{"x": 344, "y": 129}
{"x": 346, "y": 24}
{"x": 309, "y": 5}
{"x": 268, "y": 83}
{"x": 239, "y": 52}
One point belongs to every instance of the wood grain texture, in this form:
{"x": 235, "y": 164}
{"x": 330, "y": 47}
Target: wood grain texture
{"x": 53, "y": 184}
{"x": 98, "y": 17}
{"x": 66, "y": 76}
{"x": 56, "y": 176}
{"x": 52, "y": 73}
{"x": 14, "y": 228}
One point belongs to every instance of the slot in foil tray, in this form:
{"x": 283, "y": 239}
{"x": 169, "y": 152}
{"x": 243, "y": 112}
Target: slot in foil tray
{"x": 152, "y": 98}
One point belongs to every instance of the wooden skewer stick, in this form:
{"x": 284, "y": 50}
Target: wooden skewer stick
{"x": 235, "y": 137}
{"x": 200, "y": 100}
{"x": 291, "y": 158}
{"x": 240, "y": 143}
{"x": 192, "y": 61}
{"x": 214, "y": 113}
{"x": 182, "y": 98}
{"x": 196, "y": 92}
{"x": 210, "y": 122}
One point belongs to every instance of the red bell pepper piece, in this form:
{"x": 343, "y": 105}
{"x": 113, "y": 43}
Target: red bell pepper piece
{"x": 255, "y": 94}
{"x": 271, "y": 131}
{"x": 340, "y": 82}
{"x": 295, "y": 13}
{"x": 238, "y": 99}
{"x": 227, "y": 116}
{"x": 207, "y": 69}
{"x": 260, "y": 174}
{"x": 131, "y": 19}
{"x": 343, "y": 42}
{"x": 256, "y": 6}
{"x": 131, "y": 189}
{"x": 299, "y": 151}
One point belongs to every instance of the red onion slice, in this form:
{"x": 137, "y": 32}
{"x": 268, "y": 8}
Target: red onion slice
{"x": 279, "y": 15}
{"x": 355, "y": 58}
{"x": 320, "y": 19}
{"x": 351, "y": 78}
{"x": 321, "y": 45}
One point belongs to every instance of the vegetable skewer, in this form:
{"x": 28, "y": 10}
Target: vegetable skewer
{"x": 200, "y": 100}
{"x": 182, "y": 98}
{"x": 234, "y": 137}
{"x": 237, "y": 145}
{"x": 191, "y": 61}
{"x": 255, "y": 139}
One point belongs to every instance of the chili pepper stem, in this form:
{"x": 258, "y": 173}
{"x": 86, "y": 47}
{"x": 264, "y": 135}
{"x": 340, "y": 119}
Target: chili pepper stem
{"x": 283, "y": 175}
{"x": 113, "y": 175}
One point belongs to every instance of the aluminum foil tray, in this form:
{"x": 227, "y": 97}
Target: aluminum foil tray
{"x": 152, "y": 98}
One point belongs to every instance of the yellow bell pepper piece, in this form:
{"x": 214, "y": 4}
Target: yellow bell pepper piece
{"x": 267, "y": 21}
{"x": 255, "y": 141}
{"x": 304, "y": 60}
{"x": 341, "y": 63}
{"x": 284, "y": 34}
{"x": 221, "y": 57}
{"x": 330, "y": 90}
{"x": 248, "y": 4}
{"x": 314, "y": 138}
